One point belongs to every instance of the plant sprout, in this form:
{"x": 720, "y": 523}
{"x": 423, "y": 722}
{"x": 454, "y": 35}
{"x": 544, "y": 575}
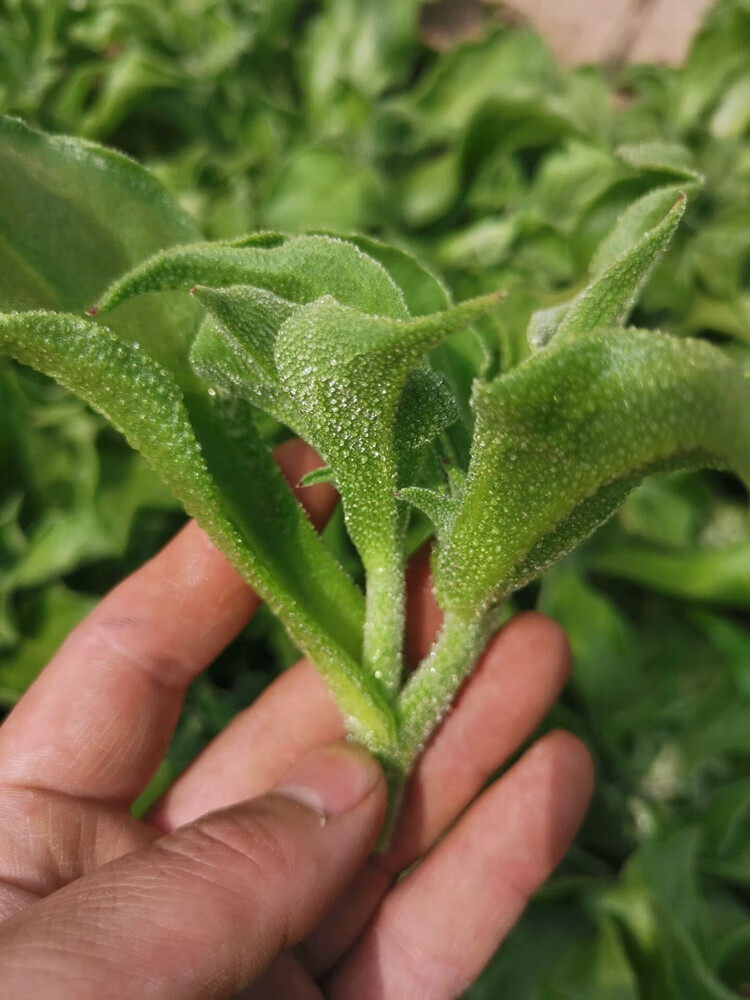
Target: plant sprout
{"x": 355, "y": 347}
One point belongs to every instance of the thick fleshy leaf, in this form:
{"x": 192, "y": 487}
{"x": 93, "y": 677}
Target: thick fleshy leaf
{"x": 461, "y": 357}
{"x": 441, "y": 508}
{"x": 234, "y": 347}
{"x": 300, "y": 270}
{"x": 74, "y": 216}
{"x": 641, "y": 217}
{"x": 425, "y": 409}
{"x": 612, "y": 294}
{"x": 423, "y": 292}
{"x": 544, "y": 324}
{"x": 561, "y": 438}
{"x": 346, "y": 372}
{"x": 142, "y": 399}
{"x": 322, "y": 475}
{"x": 620, "y": 268}
{"x": 250, "y": 318}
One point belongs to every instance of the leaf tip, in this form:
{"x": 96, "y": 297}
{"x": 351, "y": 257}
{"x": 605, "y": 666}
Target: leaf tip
{"x": 93, "y": 311}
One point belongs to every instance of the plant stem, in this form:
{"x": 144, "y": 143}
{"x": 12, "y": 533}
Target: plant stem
{"x": 385, "y": 599}
{"x": 427, "y": 696}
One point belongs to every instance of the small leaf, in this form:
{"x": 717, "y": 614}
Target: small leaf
{"x": 322, "y": 475}
{"x": 217, "y": 357}
{"x": 439, "y": 507}
{"x": 612, "y": 294}
{"x": 425, "y": 409}
{"x": 250, "y": 318}
{"x": 638, "y": 218}
{"x": 235, "y": 349}
{"x": 561, "y": 438}
{"x": 662, "y": 157}
{"x": 545, "y": 323}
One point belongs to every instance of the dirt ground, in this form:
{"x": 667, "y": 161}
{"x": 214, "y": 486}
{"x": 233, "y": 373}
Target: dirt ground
{"x": 584, "y": 31}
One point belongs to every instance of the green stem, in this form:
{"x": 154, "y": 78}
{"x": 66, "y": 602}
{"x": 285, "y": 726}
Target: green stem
{"x": 427, "y": 696}
{"x": 385, "y": 598}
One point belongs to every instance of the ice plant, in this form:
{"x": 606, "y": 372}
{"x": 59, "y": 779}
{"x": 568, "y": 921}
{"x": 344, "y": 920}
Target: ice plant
{"x": 355, "y": 347}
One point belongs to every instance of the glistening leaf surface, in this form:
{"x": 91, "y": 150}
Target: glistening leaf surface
{"x": 560, "y": 439}
{"x": 346, "y": 373}
{"x": 143, "y": 400}
{"x": 300, "y": 270}
{"x": 235, "y": 346}
{"x": 638, "y": 218}
{"x": 620, "y": 268}
{"x": 74, "y": 216}
{"x": 612, "y": 294}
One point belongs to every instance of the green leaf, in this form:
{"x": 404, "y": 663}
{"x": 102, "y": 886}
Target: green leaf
{"x": 423, "y": 292}
{"x": 719, "y": 575}
{"x": 425, "y": 409}
{"x": 619, "y": 269}
{"x": 322, "y": 475}
{"x": 639, "y": 218}
{"x": 143, "y": 401}
{"x": 544, "y": 324}
{"x": 561, "y": 438}
{"x": 302, "y": 269}
{"x": 73, "y": 216}
{"x": 234, "y": 348}
{"x": 662, "y": 157}
{"x": 346, "y": 372}
{"x": 439, "y": 507}
{"x": 612, "y": 294}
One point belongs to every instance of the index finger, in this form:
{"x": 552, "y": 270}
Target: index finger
{"x": 99, "y": 718}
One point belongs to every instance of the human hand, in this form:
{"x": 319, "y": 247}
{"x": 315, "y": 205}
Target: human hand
{"x": 253, "y": 875}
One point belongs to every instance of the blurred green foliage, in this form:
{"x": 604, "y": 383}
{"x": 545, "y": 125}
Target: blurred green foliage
{"x": 499, "y": 170}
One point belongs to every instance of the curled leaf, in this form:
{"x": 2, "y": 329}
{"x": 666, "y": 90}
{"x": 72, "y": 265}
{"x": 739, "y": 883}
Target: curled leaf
{"x": 608, "y": 300}
{"x": 561, "y": 439}
{"x": 300, "y": 270}
{"x": 620, "y": 269}
{"x": 191, "y": 445}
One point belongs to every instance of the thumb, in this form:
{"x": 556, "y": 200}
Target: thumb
{"x": 202, "y": 911}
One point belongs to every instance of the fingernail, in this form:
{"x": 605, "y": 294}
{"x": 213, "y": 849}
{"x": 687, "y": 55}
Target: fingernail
{"x": 332, "y": 780}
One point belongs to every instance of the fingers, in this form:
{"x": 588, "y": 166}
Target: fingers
{"x": 291, "y": 717}
{"x": 518, "y": 679}
{"x": 204, "y": 910}
{"x": 48, "y": 840}
{"x": 100, "y": 716}
{"x": 437, "y": 929}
